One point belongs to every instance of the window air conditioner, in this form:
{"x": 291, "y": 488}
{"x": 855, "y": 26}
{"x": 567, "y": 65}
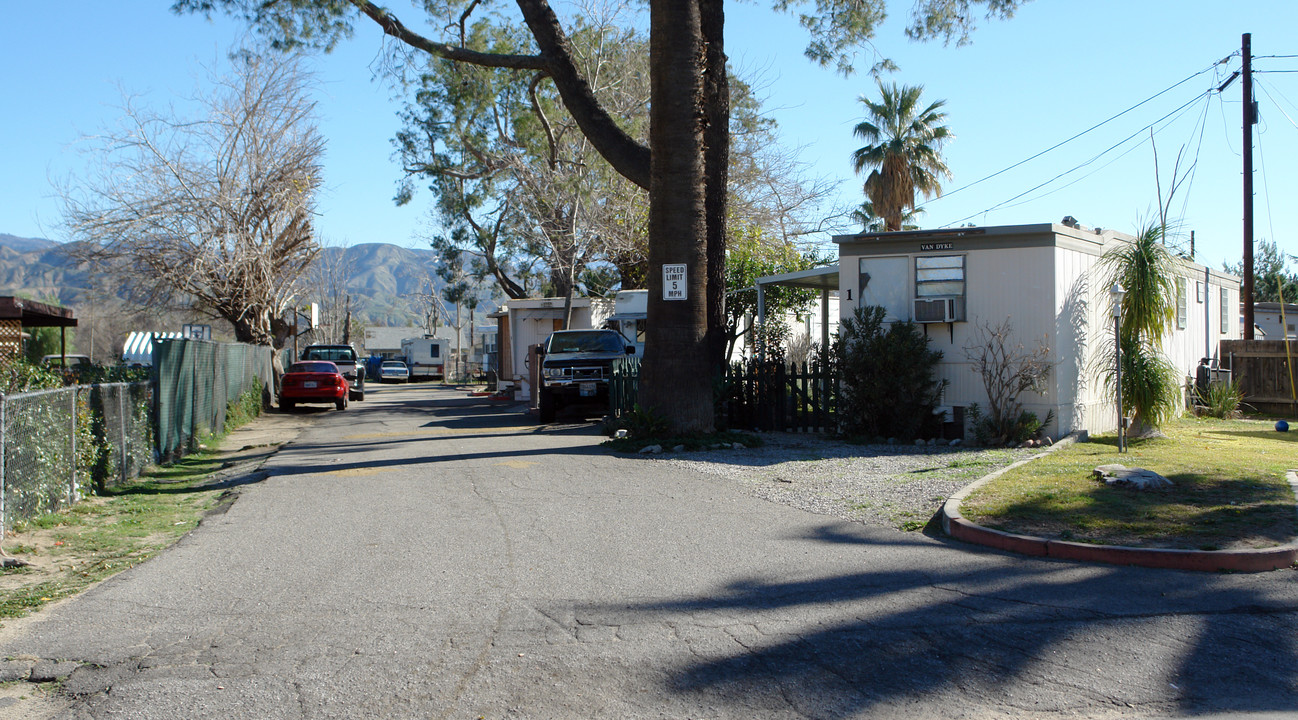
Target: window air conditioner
{"x": 939, "y": 310}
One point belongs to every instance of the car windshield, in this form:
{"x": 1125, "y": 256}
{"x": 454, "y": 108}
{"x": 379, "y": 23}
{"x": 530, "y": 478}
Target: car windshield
{"x": 578, "y": 341}
{"x": 330, "y": 354}
{"x": 313, "y": 367}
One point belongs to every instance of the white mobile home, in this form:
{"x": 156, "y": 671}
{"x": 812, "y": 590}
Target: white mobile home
{"x": 1274, "y": 321}
{"x": 630, "y": 310}
{"x": 1044, "y": 279}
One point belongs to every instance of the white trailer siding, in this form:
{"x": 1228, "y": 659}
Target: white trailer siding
{"x": 1046, "y": 280}
{"x": 426, "y": 357}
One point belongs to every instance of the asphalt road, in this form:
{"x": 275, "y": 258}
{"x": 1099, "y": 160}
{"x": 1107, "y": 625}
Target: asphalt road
{"x": 427, "y": 555}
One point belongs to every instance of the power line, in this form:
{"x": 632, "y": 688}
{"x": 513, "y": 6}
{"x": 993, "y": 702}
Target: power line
{"x": 1120, "y": 143}
{"x": 1194, "y": 166}
{"x": 1088, "y": 130}
{"x": 1266, "y": 91}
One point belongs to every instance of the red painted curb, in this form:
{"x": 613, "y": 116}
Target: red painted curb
{"x": 1261, "y": 560}
{"x": 1202, "y": 560}
{"x": 962, "y": 529}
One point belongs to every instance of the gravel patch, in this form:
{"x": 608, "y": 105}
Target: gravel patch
{"x": 898, "y": 486}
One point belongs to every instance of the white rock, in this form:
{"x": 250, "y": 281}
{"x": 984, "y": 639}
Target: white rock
{"x": 1137, "y": 478}
{"x": 620, "y": 434}
{"x": 679, "y": 448}
{"x": 651, "y": 449}
{"x": 955, "y": 442}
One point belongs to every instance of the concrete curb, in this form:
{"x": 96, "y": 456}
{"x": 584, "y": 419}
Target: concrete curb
{"x": 1260, "y": 560}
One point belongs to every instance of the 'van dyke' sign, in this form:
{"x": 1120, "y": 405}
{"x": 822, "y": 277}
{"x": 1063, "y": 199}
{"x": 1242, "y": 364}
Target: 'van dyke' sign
{"x": 924, "y": 247}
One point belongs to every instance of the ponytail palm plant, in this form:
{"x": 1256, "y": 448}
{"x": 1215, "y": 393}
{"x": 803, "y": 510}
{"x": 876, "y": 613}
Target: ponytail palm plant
{"x": 1150, "y": 384}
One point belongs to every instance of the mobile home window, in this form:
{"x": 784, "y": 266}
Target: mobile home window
{"x": 1181, "y": 310}
{"x": 939, "y": 276}
{"x": 1225, "y": 311}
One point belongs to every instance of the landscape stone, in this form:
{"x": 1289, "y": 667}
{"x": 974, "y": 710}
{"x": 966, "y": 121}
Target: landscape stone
{"x": 651, "y": 449}
{"x": 1136, "y": 478}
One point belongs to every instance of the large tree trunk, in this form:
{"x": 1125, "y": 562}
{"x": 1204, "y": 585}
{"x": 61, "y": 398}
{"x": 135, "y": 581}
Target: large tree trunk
{"x": 716, "y": 137}
{"x": 676, "y": 379}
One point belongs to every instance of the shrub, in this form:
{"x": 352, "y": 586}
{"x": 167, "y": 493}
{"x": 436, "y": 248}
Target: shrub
{"x": 1027, "y": 426}
{"x": 19, "y": 376}
{"x": 244, "y": 409}
{"x": 642, "y": 424}
{"x": 889, "y": 387}
{"x": 1224, "y": 400}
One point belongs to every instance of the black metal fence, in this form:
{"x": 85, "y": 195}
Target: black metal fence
{"x": 754, "y": 395}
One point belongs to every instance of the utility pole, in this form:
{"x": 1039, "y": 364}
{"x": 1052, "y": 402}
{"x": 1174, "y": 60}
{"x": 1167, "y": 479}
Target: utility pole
{"x": 1250, "y": 118}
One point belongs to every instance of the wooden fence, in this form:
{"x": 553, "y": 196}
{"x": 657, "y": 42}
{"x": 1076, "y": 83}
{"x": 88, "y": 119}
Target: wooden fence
{"x": 754, "y": 396}
{"x": 1265, "y": 372}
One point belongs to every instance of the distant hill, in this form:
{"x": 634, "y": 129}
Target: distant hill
{"x": 380, "y": 276}
{"x": 22, "y": 245}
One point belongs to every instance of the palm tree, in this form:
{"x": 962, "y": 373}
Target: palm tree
{"x": 903, "y": 151}
{"x": 1147, "y": 271}
{"x": 871, "y": 223}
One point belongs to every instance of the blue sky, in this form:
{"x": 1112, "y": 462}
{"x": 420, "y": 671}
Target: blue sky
{"x": 1023, "y": 86}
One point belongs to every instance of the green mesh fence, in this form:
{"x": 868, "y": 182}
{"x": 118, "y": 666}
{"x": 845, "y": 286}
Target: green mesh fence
{"x": 196, "y": 381}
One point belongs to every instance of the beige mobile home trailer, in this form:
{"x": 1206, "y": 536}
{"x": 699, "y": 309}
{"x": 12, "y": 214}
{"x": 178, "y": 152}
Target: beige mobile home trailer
{"x": 528, "y": 322}
{"x": 1046, "y": 281}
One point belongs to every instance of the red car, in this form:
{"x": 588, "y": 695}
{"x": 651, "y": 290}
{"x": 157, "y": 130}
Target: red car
{"x": 312, "y": 381}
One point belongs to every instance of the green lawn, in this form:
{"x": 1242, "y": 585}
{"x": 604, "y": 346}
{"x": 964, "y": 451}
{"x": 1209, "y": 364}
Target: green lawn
{"x": 1229, "y": 490}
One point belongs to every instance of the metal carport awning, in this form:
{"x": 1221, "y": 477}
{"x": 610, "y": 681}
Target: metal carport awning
{"x": 823, "y": 279}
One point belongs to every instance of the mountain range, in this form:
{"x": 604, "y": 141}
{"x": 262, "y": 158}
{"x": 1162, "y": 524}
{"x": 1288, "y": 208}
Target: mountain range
{"x": 382, "y": 279}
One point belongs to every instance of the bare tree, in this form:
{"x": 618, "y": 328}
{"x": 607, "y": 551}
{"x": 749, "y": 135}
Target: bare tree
{"x": 427, "y": 303}
{"x": 328, "y": 277}
{"x": 1008, "y": 369}
{"x": 215, "y": 210}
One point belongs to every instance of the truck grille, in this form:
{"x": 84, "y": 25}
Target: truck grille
{"x": 588, "y": 373}
{"x": 579, "y": 374}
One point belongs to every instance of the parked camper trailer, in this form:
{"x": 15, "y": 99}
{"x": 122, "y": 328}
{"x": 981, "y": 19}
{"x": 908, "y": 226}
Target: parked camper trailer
{"x": 426, "y": 357}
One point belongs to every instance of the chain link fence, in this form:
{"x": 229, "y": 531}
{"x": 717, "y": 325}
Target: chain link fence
{"x": 197, "y": 381}
{"x": 59, "y": 445}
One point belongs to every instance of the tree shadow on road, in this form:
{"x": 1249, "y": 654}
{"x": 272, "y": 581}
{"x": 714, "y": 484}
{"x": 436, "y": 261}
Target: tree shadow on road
{"x": 1063, "y": 637}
